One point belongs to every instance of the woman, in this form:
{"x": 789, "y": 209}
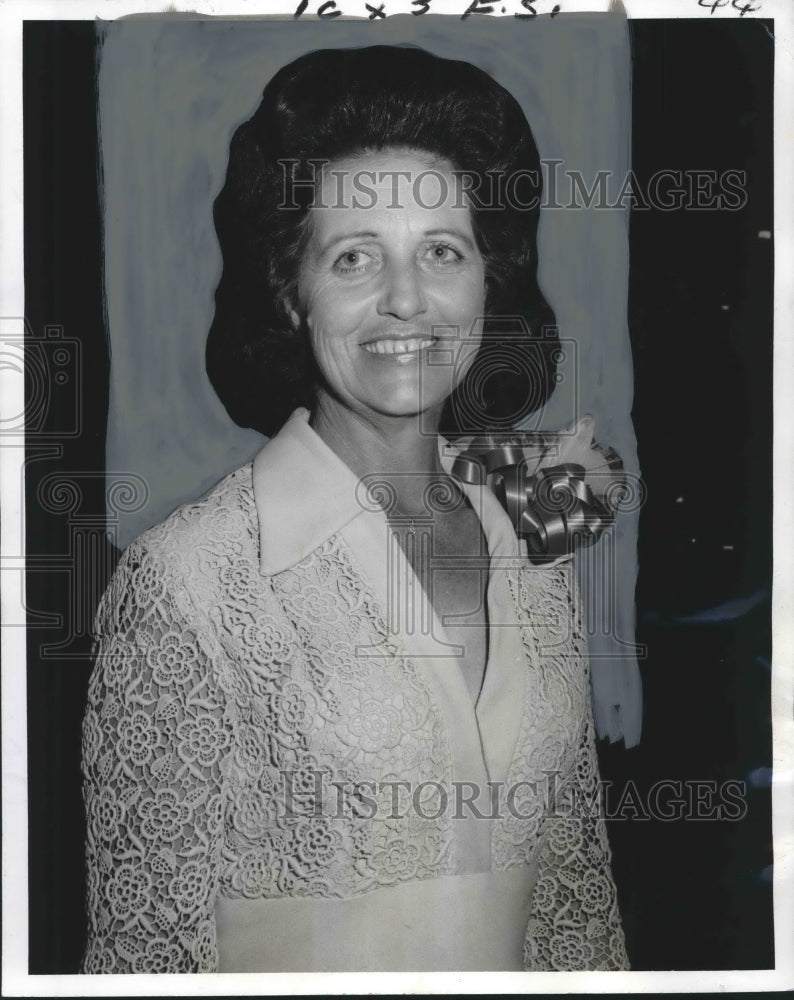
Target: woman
{"x": 338, "y": 720}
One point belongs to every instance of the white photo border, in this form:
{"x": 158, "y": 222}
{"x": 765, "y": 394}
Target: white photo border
{"x": 15, "y": 979}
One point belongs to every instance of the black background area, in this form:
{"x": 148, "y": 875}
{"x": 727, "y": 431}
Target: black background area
{"x": 694, "y": 894}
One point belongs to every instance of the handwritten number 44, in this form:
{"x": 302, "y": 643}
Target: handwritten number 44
{"x": 742, "y": 6}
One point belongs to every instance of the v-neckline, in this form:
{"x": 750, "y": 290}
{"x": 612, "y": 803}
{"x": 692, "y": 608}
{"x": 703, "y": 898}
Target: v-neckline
{"x": 485, "y": 730}
{"x": 305, "y": 495}
{"x": 483, "y": 551}
{"x": 487, "y": 510}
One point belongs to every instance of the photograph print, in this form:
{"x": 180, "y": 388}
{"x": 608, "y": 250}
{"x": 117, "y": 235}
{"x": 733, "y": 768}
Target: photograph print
{"x": 398, "y": 485}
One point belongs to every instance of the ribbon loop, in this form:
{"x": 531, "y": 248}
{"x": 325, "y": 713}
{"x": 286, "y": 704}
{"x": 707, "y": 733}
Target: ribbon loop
{"x": 552, "y": 506}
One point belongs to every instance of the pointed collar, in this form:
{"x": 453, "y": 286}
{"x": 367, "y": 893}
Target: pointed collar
{"x": 304, "y": 493}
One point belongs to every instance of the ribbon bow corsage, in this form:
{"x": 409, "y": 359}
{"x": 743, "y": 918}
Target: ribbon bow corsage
{"x": 559, "y": 488}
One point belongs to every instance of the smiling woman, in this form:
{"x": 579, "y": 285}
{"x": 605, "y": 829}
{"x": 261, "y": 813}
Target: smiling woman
{"x": 338, "y": 719}
{"x": 373, "y": 300}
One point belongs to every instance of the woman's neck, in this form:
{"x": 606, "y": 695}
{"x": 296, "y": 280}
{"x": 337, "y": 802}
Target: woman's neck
{"x": 403, "y": 450}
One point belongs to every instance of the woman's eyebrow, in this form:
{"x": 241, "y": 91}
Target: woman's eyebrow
{"x": 458, "y": 233}
{"x": 361, "y": 234}
{"x": 370, "y": 234}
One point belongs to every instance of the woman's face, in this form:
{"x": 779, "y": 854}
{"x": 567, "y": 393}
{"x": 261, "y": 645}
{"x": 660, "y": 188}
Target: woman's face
{"x": 392, "y": 284}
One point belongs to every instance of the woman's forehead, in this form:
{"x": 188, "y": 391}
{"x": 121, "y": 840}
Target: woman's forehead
{"x": 390, "y": 188}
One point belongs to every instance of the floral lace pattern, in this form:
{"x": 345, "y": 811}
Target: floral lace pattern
{"x": 153, "y": 737}
{"x": 232, "y": 724}
{"x": 575, "y": 923}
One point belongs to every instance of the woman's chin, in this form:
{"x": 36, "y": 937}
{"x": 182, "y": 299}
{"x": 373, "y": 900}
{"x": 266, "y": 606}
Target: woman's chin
{"x": 407, "y": 397}
{"x": 406, "y": 408}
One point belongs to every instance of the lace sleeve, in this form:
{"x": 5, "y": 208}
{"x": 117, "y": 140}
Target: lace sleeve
{"x": 575, "y": 922}
{"x": 153, "y": 735}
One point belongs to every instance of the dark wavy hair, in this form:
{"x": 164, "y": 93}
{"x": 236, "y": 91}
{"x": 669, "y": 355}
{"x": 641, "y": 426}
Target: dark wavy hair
{"x": 335, "y": 103}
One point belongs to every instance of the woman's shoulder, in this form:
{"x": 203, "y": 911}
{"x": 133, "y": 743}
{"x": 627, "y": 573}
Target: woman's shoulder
{"x": 222, "y": 520}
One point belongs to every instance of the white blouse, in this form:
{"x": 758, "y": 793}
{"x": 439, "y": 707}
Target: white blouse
{"x": 284, "y": 769}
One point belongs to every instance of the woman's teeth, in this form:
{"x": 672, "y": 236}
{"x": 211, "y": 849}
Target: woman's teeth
{"x": 397, "y": 346}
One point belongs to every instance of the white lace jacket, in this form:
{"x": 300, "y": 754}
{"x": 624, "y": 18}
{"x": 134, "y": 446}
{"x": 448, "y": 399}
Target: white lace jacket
{"x": 279, "y": 737}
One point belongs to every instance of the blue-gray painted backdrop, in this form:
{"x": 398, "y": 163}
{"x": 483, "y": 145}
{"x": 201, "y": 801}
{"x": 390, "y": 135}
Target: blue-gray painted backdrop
{"x": 172, "y": 92}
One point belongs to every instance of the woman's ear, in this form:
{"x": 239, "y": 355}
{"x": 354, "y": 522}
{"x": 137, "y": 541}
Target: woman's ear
{"x": 292, "y": 312}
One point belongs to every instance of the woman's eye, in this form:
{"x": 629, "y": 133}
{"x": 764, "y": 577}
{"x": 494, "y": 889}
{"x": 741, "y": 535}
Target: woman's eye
{"x": 352, "y": 260}
{"x": 443, "y": 253}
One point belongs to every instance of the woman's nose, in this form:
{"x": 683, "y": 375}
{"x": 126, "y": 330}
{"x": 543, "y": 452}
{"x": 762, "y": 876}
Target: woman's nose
{"x": 402, "y": 294}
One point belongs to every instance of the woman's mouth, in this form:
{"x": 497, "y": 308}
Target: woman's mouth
{"x": 399, "y": 346}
